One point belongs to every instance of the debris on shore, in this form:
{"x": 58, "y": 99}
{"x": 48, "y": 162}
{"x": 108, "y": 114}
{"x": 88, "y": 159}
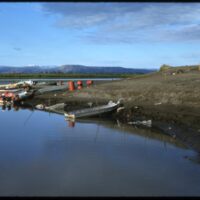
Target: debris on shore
{"x": 57, "y": 108}
{"x": 147, "y": 123}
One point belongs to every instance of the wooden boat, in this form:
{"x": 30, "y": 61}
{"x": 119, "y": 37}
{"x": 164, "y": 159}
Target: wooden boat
{"x": 89, "y": 112}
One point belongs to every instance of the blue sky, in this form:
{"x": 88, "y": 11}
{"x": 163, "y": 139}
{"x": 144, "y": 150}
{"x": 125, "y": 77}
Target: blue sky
{"x": 134, "y": 35}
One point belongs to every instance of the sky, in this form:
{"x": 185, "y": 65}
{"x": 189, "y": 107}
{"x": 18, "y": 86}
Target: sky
{"x": 132, "y": 35}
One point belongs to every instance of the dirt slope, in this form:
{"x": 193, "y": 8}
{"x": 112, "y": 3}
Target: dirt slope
{"x": 159, "y": 96}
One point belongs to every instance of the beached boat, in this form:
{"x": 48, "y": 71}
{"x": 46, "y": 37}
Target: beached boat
{"x": 89, "y": 112}
{"x": 20, "y": 84}
{"x": 9, "y": 94}
{"x": 3, "y": 102}
{"x": 23, "y": 95}
{"x": 47, "y": 89}
{"x": 8, "y": 86}
{"x": 9, "y": 97}
{"x": 11, "y": 90}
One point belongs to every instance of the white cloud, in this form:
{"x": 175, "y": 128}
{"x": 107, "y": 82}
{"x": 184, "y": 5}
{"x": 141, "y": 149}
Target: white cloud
{"x": 129, "y": 22}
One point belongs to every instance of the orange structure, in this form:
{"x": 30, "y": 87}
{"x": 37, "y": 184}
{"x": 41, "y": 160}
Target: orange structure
{"x": 10, "y": 95}
{"x": 71, "y": 124}
{"x": 89, "y": 82}
{"x": 71, "y": 85}
{"x": 80, "y": 84}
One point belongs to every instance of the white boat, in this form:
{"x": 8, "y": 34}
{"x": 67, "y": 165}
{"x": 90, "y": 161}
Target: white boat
{"x": 88, "y": 112}
{"x": 8, "y": 86}
{"x": 17, "y": 85}
{"x": 11, "y": 90}
{"x": 23, "y": 95}
{"x": 23, "y": 83}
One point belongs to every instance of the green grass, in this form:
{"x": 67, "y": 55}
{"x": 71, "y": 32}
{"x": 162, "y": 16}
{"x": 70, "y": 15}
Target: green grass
{"x": 32, "y": 76}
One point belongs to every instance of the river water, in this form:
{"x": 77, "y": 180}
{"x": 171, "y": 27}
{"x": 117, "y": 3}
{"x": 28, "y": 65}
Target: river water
{"x": 41, "y": 154}
{"x": 7, "y": 81}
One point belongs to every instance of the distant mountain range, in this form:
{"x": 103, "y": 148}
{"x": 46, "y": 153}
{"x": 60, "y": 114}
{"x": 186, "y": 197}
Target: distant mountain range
{"x": 74, "y": 69}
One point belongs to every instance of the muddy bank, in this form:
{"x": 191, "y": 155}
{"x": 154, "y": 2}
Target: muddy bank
{"x": 165, "y": 120}
{"x": 173, "y": 99}
{"x": 168, "y": 100}
{"x": 178, "y": 114}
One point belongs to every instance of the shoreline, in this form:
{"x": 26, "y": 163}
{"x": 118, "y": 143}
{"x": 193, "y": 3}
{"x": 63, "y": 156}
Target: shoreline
{"x": 163, "y": 120}
{"x": 172, "y": 102}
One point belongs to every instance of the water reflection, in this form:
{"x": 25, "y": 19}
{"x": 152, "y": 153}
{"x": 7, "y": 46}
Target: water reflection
{"x": 71, "y": 123}
{"x": 146, "y": 133}
{"x": 127, "y": 129}
{"x": 41, "y": 155}
{"x": 150, "y": 133}
{"x": 14, "y": 107}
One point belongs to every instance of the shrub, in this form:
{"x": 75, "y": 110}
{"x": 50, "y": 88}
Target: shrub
{"x": 164, "y": 67}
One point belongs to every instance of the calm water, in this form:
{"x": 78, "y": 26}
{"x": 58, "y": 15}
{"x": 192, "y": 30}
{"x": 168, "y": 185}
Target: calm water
{"x": 42, "y": 154}
{"x": 6, "y": 81}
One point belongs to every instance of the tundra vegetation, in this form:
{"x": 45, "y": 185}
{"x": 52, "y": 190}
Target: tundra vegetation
{"x": 65, "y": 75}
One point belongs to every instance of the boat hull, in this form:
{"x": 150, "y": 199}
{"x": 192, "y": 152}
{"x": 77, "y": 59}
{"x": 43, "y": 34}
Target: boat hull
{"x": 91, "y": 112}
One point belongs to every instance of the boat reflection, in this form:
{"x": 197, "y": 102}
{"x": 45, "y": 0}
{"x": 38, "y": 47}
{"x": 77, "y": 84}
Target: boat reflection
{"x": 5, "y": 107}
{"x": 71, "y": 123}
{"x": 147, "y": 133}
{"x": 141, "y": 131}
{"x": 8, "y": 107}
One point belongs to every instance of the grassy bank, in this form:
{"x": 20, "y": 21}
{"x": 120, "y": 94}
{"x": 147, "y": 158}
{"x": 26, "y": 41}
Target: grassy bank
{"x": 62, "y": 75}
